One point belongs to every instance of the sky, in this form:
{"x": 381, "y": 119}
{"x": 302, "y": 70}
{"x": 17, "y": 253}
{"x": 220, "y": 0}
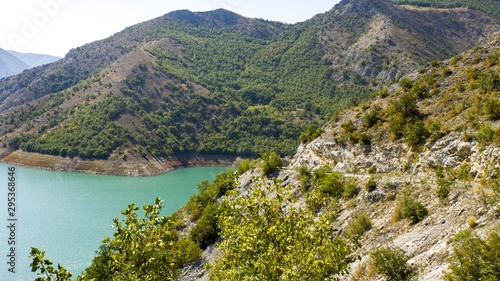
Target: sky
{"x": 54, "y": 27}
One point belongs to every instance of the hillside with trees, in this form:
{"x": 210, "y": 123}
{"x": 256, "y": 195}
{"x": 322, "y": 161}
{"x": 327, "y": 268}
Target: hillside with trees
{"x": 403, "y": 186}
{"x": 216, "y": 83}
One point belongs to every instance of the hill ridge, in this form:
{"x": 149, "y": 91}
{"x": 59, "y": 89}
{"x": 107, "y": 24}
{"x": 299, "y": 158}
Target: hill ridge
{"x": 232, "y": 85}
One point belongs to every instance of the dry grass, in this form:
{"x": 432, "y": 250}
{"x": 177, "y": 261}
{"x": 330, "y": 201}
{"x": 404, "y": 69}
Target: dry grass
{"x": 396, "y": 214}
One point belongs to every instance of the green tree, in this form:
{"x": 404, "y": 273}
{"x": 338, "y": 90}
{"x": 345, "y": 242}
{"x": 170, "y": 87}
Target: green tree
{"x": 406, "y": 105}
{"x": 415, "y": 133}
{"x": 474, "y": 258}
{"x": 45, "y": 268}
{"x": 463, "y": 172}
{"x": 264, "y": 240}
{"x": 492, "y": 108}
{"x": 271, "y": 162}
{"x": 392, "y": 263}
{"x": 145, "y": 248}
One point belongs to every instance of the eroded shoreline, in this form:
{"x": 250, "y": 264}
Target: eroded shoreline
{"x": 119, "y": 166}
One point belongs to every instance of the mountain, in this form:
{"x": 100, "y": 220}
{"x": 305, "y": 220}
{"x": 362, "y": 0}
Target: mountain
{"x": 34, "y": 60}
{"x": 416, "y": 189}
{"x": 189, "y": 85}
{"x": 10, "y": 65}
{"x": 404, "y": 186}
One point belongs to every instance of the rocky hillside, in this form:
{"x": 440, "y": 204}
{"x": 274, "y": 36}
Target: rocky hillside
{"x": 458, "y": 103}
{"x": 216, "y": 83}
{"x": 404, "y": 186}
{"x": 414, "y": 166}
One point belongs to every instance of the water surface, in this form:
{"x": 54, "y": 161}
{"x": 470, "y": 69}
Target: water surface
{"x": 68, "y": 214}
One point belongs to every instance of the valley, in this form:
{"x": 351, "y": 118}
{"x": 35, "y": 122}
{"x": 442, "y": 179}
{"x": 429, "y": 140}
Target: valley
{"x": 366, "y": 141}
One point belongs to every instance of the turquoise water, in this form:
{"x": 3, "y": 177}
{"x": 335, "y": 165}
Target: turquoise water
{"x": 68, "y": 214}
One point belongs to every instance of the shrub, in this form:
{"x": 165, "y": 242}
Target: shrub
{"x": 358, "y": 225}
{"x": 446, "y": 71}
{"x": 370, "y": 118}
{"x": 463, "y": 172}
{"x": 396, "y": 126}
{"x": 146, "y": 248}
{"x": 406, "y": 83}
{"x": 372, "y": 170}
{"x": 443, "y": 189}
{"x": 290, "y": 243}
{"x": 371, "y": 185}
{"x": 332, "y": 184}
{"x": 392, "y": 263}
{"x": 206, "y": 231}
{"x": 472, "y": 222}
{"x": 474, "y": 258}
{"x": 351, "y": 188}
{"x": 415, "y": 133}
{"x": 244, "y": 166}
{"x": 311, "y": 133}
{"x": 492, "y": 108}
{"x": 304, "y": 176}
{"x": 414, "y": 211}
{"x": 271, "y": 163}
{"x": 316, "y": 200}
{"x": 406, "y": 105}
{"x": 485, "y": 134}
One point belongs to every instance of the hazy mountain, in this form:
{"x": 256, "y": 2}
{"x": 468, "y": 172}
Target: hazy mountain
{"x": 10, "y": 64}
{"x": 34, "y": 60}
{"x": 219, "y": 83}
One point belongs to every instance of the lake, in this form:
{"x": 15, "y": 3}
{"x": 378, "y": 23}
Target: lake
{"x": 68, "y": 214}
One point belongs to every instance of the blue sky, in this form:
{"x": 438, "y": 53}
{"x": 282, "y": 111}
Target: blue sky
{"x": 55, "y": 26}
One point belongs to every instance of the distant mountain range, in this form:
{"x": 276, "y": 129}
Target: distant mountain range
{"x": 12, "y": 62}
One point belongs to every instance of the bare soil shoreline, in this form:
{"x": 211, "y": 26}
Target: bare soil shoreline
{"x": 115, "y": 165}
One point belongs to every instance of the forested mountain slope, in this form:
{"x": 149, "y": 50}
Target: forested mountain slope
{"x": 409, "y": 180}
{"x": 404, "y": 186}
{"x": 218, "y": 83}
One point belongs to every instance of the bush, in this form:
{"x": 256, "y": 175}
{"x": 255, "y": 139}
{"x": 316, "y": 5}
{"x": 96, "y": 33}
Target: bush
{"x": 415, "y": 133}
{"x": 271, "y": 163}
{"x": 371, "y": 185}
{"x": 351, "y": 188}
{"x": 262, "y": 240}
{"x": 406, "y": 83}
{"x": 392, "y": 263}
{"x": 332, "y": 184}
{"x": 311, "y": 133}
{"x": 370, "y": 119}
{"x": 443, "y": 189}
{"x": 146, "y": 248}
{"x": 485, "y": 134}
{"x": 244, "y": 166}
{"x": 414, "y": 211}
{"x": 492, "y": 108}
{"x": 206, "y": 230}
{"x": 304, "y": 177}
{"x": 358, "y": 225}
{"x": 474, "y": 258}
{"x": 406, "y": 106}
